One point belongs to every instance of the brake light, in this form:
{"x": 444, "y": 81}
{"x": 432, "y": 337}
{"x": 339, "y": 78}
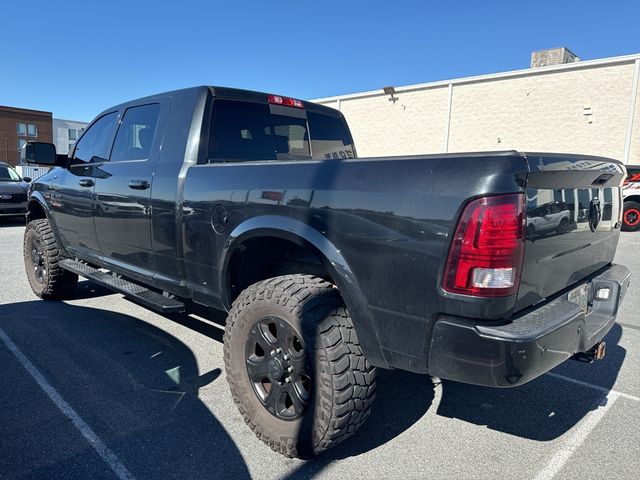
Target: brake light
{"x": 485, "y": 258}
{"x": 286, "y": 101}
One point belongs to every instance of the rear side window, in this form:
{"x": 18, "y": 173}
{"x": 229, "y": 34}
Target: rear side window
{"x": 330, "y": 137}
{"x": 248, "y": 131}
{"x": 94, "y": 144}
{"x": 136, "y": 133}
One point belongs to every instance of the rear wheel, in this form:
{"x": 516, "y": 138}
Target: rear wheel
{"x": 631, "y": 216}
{"x": 531, "y": 232}
{"x": 563, "y": 227}
{"x": 294, "y": 365}
{"x": 41, "y": 260}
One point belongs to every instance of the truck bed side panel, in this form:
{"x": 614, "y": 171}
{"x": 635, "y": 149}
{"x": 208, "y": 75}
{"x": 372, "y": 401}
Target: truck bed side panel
{"x": 390, "y": 218}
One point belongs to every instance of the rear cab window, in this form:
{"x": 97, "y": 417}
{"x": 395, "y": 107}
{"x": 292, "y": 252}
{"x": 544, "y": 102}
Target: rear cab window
{"x": 136, "y": 133}
{"x": 252, "y": 131}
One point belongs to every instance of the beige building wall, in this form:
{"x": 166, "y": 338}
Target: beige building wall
{"x": 574, "y": 108}
{"x": 579, "y": 111}
{"x": 634, "y": 151}
{"x": 415, "y": 123}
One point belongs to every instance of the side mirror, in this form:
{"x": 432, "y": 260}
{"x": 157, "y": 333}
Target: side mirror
{"x": 27, "y": 179}
{"x": 40, "y": 153}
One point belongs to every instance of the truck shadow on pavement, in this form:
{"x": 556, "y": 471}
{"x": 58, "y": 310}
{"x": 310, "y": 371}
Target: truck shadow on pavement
{"x": 137, "y": 386}
{"x": 6, "y": 222}
{"x": 133, "y": 383}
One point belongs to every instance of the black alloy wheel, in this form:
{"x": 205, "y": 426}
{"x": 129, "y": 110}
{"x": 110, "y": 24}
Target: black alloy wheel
{"x": 279, "y": 368}
{"x": 37, "y": 259}
{"x": 294, "y": 365}
{"x": 42, "y": 256}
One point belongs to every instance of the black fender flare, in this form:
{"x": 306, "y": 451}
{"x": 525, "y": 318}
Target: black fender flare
{"x": 38, "y": 197}
{"x": 304, "y": 235}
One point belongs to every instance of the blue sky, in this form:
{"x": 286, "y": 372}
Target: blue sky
{"x": 75, "y": 59}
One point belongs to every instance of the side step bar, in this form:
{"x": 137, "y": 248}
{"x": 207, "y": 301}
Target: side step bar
{"x": 135, "y": 292}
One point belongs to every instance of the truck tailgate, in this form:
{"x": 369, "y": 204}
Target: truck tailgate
{"x": 573, "y": 222}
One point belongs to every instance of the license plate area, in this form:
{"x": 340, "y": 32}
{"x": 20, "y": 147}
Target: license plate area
{"x": 580, "y": 296}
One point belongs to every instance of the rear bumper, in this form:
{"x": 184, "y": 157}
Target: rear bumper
{"x": 512, "y": 354}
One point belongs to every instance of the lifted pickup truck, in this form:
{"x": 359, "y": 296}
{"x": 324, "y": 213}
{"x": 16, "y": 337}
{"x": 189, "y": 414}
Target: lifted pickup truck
{"x": 329, "y": 265}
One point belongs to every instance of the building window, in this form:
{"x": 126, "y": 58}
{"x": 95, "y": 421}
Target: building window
{"x": 73, "y": 134}
{"x": 71, "y": 146}
{"x": 21, "y": 143}
{"x": 32, "y": 130}
{"x": 21, "y": 129}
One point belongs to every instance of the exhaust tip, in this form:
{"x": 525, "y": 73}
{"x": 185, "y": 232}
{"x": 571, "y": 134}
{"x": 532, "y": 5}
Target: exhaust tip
{"x": 600, "y": 349}
{"x": 597, "y": 352}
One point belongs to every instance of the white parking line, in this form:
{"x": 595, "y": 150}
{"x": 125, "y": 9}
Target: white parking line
{"x": 578, "y": 436}
{"x": 586, "y": 426}
{"x": 604, "y": 390}
{"x": 105, "y": 453}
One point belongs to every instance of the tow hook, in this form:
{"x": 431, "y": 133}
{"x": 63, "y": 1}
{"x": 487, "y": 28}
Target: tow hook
{"x": 597, "y": 352}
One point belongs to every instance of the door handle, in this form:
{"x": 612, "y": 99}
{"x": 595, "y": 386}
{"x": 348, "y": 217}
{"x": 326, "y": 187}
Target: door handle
{"x": 139, "y": 184}
{"x": 86, "y": 182}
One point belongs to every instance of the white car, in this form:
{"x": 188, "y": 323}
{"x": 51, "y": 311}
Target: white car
{"x": 549, "y": 217}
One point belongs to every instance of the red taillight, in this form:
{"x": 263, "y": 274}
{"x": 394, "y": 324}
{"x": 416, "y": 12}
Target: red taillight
{"x": 485, "y": 258}
{"x": 286, "y": 101}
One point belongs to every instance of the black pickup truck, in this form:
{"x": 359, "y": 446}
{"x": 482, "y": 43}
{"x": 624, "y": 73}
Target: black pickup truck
{"x": 486, "y": 268}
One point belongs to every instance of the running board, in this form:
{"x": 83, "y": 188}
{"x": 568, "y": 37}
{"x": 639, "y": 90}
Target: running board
{"x": 133, "y": 291}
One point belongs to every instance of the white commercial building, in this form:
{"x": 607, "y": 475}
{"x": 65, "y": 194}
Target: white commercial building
{"x": 66, "y": 133}
{"x": 560, "y": 104}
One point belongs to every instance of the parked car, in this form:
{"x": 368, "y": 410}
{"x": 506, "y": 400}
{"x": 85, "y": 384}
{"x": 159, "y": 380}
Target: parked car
{"x": 329, "y": 265}
{"x": 631, "y": 194}
{"x": 13, "y": 192}
{"x": 550, "y": 217}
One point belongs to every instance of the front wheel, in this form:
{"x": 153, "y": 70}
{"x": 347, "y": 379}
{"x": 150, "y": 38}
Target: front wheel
{"x": 631, "y": 216}
{"x": 42, "y": 262}
{"x": 294, "y": 365}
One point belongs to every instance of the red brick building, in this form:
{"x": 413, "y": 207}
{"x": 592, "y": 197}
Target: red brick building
{"x": 19, "y": 126}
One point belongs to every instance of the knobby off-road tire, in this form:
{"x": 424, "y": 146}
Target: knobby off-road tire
{"x": 342, "y": 381}
{"x": 41, "y": 260}
{"x": 631, "y": 216}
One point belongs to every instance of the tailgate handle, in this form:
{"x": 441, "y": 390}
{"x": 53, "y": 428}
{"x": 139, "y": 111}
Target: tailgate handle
{"x": 602, "y": 179}
{"x": 139, "y": 184}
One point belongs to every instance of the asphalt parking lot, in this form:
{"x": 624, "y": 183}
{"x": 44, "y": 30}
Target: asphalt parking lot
{"x": 98, "y": 387}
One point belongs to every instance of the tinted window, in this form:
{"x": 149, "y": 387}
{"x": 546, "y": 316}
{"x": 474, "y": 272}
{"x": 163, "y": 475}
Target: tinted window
{"x": 136, "y": 133}
{"x": 94, "y": 144}
{"x": 8, "y": 174}
{"x": 553, "y": 208}
{"x": 330, "y": 136}
{"x": 249, "y": 131}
